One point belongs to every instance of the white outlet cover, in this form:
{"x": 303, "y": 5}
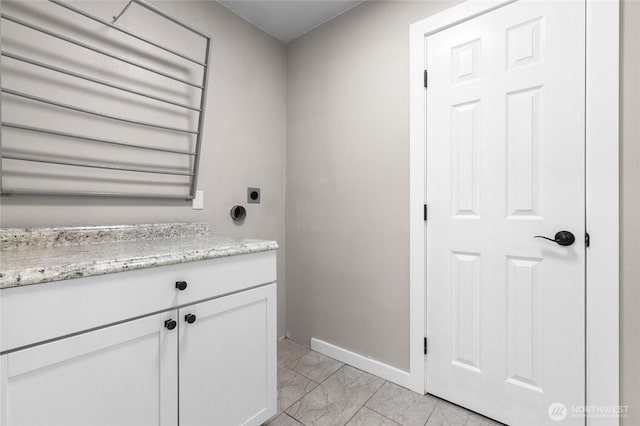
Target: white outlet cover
{"x": 198, "y": 201}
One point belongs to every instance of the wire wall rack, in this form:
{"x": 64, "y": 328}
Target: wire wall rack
{"x": 58, "y": 138}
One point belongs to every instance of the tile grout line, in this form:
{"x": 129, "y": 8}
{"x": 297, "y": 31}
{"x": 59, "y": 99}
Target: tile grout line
{"x": 293, "y": 418}
{"x": 328, "y": 377}
{"x": 283, "y": 412}
{"x": 432, "y": 411}
{"x": 374, "y": 410}
{"x": 294, "y": 360}
{"x": 318, "y": 384}
{"x": 293, "y": 403}
{"x": 310, "y": 378}
{"x": 382, "y": 415}
{"x": 333, "y": 374}
{"x": 368, "y": 399}
{"x": 364, "y": 405}
{"x": 309, "y": 351}
{"x": 437, "y": 401}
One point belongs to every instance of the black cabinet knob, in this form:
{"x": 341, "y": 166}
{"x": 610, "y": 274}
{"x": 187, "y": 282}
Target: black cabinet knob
{"x": 181, "y": 285}
{"x": 170, "y": 324}
{"x": 190, "y": 318}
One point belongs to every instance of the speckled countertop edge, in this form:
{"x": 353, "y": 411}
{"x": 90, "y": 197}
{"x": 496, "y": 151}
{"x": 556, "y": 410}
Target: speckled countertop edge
{"x": 22, "y": 238}
{"x": 42, "y": 264}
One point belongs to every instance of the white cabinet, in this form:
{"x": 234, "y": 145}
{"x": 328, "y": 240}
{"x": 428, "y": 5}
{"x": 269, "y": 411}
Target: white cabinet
{"x": 137, "y": 369}
{"x": 120, "y": 375}
{"x": 224, "y": 354}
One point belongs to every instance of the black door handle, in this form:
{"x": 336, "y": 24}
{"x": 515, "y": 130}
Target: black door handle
{"x": 563, "y": 238}
{"x": 190, "y": 318}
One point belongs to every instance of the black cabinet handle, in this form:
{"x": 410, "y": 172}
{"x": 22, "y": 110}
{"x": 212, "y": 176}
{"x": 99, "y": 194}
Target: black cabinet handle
{"x": 181, "y": 285}
{"x": 563, "y": 238}
{"x": 190, "y": 318}
{"x": 170, "y": 324}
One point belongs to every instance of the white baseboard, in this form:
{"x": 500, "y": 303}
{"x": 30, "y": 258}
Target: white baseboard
{"x": 387, "y": 372}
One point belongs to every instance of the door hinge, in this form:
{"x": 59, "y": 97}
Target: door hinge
{"x": 425, "y": 345}
{"x": 425, "y": 212}
{"x": 425, "y": 78}
{"x": 587, "y": 239}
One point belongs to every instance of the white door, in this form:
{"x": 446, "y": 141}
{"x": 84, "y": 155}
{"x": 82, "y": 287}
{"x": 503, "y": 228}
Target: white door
{"x": 121, "y": 375}
{"x": 505, "y": 162}
{"x": 228, "y": 360}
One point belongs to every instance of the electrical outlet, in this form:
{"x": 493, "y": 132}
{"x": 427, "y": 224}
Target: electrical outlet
{"x": 198, "y": 201}
{"x": 253, "y": 195}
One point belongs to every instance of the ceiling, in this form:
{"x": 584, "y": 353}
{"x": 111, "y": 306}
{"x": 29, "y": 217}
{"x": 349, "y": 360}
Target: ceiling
{"x": 289, "y": 19}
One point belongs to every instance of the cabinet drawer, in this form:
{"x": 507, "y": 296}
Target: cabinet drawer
{"x": 40, "y": 312}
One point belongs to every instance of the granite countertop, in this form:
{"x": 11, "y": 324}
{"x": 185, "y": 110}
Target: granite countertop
{"x": 40, "y": 255}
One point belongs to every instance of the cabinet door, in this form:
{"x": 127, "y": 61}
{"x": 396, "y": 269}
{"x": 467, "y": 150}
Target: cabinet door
{"x": 120, "y": 375}
{"x": 228, "y": 360}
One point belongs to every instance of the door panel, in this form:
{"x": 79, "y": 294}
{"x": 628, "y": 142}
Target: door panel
{"x": 120, "y": 375}
{"x": 505, "y": 162}
{"x": 227, "y": 360}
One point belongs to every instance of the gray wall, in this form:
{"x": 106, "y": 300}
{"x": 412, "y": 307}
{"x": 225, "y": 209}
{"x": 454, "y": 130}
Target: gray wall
{"x": 244, "y": 138}
{"x": 348, "y": 180}
{"x": 630, "y": 211}
{"x": 347, "y": 193}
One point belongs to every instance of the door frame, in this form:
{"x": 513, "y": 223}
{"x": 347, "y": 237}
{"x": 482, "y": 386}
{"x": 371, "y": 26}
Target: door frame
{"x": 602, "y": 193}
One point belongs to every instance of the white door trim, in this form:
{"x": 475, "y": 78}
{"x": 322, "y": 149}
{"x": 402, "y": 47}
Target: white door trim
{"x": 602, "y": 183}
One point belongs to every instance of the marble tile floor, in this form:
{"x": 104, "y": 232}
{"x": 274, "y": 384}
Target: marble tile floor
{"x": 315, "y": 390}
